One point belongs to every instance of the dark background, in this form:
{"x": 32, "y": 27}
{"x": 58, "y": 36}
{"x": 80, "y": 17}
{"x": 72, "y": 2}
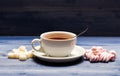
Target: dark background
{"x": 33, "y": 17}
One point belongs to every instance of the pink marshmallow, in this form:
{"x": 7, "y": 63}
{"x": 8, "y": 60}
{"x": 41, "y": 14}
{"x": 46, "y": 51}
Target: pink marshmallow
{"x": 98, "y": 53}
{"x": 112, "y": 52}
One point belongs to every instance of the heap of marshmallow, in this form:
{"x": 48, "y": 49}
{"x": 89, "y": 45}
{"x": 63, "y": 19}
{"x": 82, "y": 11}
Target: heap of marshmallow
{"x": 99, "y": 54}
{"x": 20, "y": 53}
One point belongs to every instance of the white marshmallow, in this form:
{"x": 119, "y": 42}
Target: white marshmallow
{"x": 29, "y": 54}
{"x": 22, "y": 48}
{"x": 11, "y": 55}
{"x": 22, "y": 57}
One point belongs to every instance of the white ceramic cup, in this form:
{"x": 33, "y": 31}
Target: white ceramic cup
{"x": 56, "y": 43}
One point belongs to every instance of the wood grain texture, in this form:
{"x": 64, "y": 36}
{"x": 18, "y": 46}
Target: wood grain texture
{"x": 38, "y": 16}
{"x": 35, "y": 67}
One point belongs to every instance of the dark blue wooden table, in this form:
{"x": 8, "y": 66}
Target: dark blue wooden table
{"x": 80, "y": 67}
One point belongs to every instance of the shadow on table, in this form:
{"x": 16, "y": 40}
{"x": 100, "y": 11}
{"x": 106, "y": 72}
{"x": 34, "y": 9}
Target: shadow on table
{"x": 58, "y": 64}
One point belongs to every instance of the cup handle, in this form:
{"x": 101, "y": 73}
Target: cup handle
{"x": 39, "y": 41}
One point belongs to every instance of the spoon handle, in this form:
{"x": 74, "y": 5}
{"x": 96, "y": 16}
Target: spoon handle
{"x": 82, "y": 32}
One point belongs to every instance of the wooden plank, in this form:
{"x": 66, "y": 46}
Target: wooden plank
{"x": 14, "y": 67}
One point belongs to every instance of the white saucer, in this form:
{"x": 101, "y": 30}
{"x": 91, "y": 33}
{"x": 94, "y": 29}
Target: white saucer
{"x": 75, "y": 54}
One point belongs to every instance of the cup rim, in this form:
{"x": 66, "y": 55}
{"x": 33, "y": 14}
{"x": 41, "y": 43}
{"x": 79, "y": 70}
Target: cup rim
{"x": 43, "y": 34}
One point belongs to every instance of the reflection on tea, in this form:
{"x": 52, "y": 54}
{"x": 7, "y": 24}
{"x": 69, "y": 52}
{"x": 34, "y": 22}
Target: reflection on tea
{"x": 58, "y": 38}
